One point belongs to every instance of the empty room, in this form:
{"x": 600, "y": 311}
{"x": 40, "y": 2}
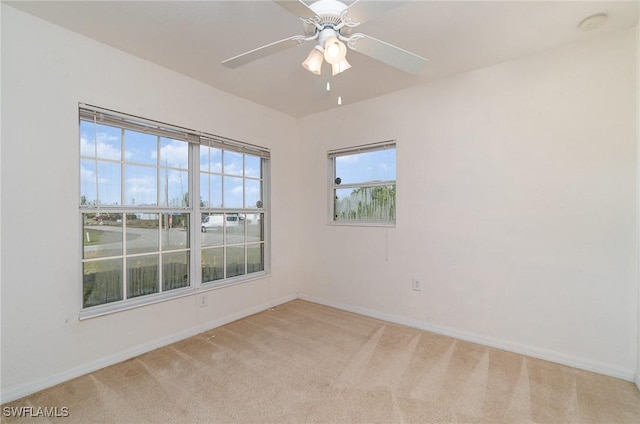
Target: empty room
{"x": 320, "y": 211}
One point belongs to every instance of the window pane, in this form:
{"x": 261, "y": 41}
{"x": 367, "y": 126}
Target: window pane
{"x": 204, "y": 191}
{"x": 255, "y": 258}
{"x": 204, "y": 158}
{"x": 379, "y": 165}
{"x": 210, "y": 159}
{"x": 234, "y": 229}
{"x": 102, "y": 235}
{"x": 88, "y": 195}
{"x": 101, "y": 282}
{"x": 109, "y": 183}
{"x": 142, "y": 275}
{"x": 235, "y": 261}
{"x": 175, "y": 231}
{"x": 252, "y": 166}
{"x": 142, "y": 232}
{"x": 233, "y": 192}
{"x": 253, "y": 193}
{"x": 174, "y": 187}
{"x": 255, "y": 231}
{"x": 87, "y": 139}
{"x": 375, "y": 204}
{"x": 140, "y": 147}
{"x": 215, "y": 160}
{"x": 215, "y": 184}
{"x": 174, "y": 153}
{"x": 108, "y": 142}
{"x": 232, "y": 163}
{"x": 175, "y": 270}
{"x": 141, "y": 185}
{"x": 212, "y": 264}
{"x": 212, "y": 226}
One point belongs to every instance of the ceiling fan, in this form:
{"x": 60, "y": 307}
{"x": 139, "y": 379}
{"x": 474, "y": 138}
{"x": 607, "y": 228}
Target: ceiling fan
{"x": 330, "y": 24}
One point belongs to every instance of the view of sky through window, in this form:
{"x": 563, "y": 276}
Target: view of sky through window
{"x": 377, "y": 165}
{"x": 155, "y": 171}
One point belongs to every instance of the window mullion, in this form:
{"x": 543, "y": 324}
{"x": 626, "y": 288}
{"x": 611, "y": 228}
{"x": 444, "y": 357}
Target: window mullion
{"x": 160, "y": 252}
{"x": 95, "y": 161}
{"x": 222, "y": 200}
{"x": 224, "y": 261}
{"x": 160, "y": 214}
{"x": 122, "y": 169}
{"x": 124, "y": 215}
{"x": 125, "y": 274}
{"x": 158, "y": 173}
{"x": 195, "y": 244}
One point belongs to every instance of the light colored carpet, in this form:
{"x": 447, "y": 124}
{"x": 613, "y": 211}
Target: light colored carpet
{"x": 306, "y": 363}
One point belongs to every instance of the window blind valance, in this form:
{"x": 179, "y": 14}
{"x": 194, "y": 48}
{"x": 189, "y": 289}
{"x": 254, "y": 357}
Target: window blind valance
{"x": 136, "y": 123}
{"x": 390, "y": 144}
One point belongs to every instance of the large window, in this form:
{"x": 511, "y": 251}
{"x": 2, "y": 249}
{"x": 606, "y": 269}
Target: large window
{"x": 363, "y": 184}
{"x": 232, "y": 226}
{"x": 151, "y": 229}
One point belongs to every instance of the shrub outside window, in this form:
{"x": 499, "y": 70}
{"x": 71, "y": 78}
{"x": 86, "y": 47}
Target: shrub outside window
{"x": 363, "y": 184}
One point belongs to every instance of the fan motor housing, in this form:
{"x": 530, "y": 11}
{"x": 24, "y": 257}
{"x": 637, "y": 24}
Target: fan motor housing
{"x": 328, "y": 12}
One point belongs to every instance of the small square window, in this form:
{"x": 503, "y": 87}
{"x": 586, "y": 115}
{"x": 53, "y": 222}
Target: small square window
{"x": 363, "y": 184}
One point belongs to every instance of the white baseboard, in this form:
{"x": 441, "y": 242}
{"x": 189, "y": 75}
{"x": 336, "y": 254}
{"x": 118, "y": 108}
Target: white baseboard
{"x": 21, "y": 390}
{"x": 559, "y": 358}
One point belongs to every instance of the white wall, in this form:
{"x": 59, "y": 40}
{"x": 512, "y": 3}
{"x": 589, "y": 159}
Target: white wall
{"x": 46, "y": 71}
{"x": 516, "y": 194}
{"x": 516, "y": 207}
{"x": 637, "y": 379}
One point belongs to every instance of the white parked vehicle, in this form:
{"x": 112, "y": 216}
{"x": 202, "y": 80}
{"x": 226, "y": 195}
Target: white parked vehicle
{"x": 216, "y": 221}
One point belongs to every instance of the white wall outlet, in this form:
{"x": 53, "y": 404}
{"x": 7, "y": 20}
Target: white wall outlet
{"x": 417, "y": 284}
{"x": 203, "y": 300}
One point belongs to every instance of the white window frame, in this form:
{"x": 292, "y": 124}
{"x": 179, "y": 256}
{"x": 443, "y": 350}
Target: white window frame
{"x": 194, "y": 138}
{"x": 333, "y": 186}
{"x": 245, "y": 209}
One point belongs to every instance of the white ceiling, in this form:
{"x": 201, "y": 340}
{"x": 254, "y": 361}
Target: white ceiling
{"x": 193, "y": 37}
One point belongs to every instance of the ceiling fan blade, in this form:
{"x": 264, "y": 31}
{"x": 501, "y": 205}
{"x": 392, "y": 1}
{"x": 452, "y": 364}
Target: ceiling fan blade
{"x": 362, "y": 11}
{"x": 296, "y": 7}
{"x": 387, "y": 53}
{"x": 261, "y": 52}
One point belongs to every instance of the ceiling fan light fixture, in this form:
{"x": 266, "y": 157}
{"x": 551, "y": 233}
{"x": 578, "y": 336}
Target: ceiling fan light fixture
{"x": 334, "y": 50}
{"x": 341, "y": 66}
{"x": 313, "y": 62}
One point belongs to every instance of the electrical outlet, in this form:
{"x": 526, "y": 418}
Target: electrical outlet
{"x": 202, "y": 300}
{"x": 417, "y": 284}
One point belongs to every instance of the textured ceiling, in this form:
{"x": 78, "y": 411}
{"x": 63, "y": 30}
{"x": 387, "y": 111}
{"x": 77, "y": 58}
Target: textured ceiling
{"x": 194, "y": 37}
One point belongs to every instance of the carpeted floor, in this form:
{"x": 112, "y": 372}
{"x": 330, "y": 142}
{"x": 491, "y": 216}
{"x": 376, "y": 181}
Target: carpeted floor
{"x": 306, "y": 363}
